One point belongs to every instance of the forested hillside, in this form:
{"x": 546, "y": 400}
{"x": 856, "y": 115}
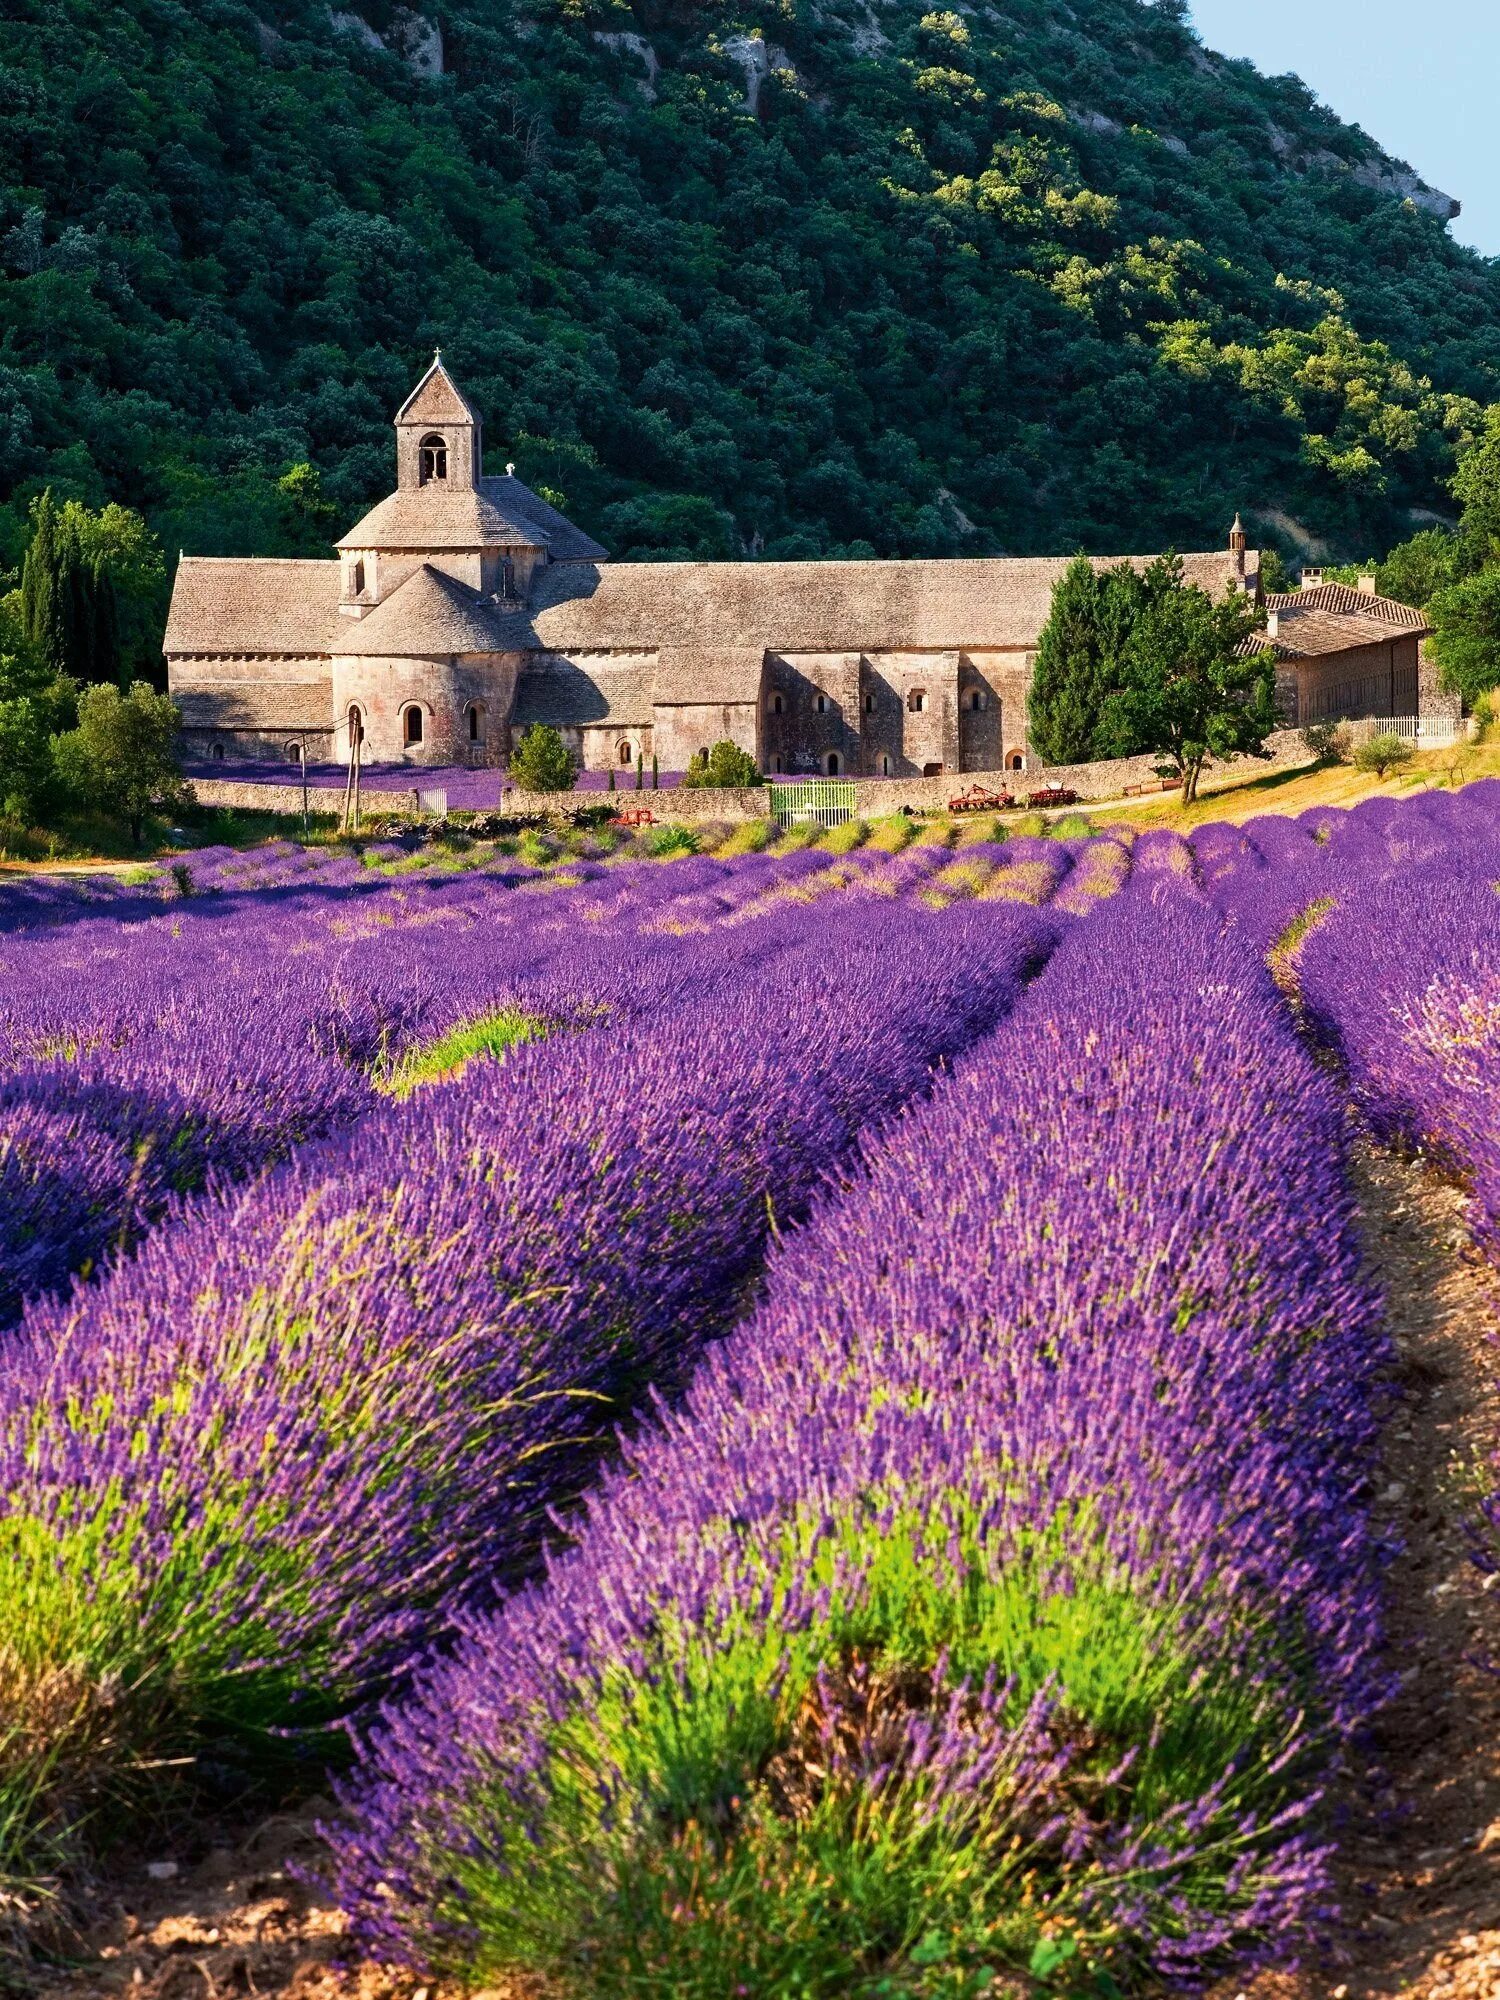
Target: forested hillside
{"x": 781, "y": 277}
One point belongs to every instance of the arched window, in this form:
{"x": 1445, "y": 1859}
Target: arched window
{"x": 356, "y": 724}
{"x": 357, "y": 580}
{"x": 976, "y": 699}
{"x": 432, "y": 458}
{"x": 821, "y": 704}
{"x": 916, "y": 701}
{"x": 869, "y": 704}
{"x": 216, "y": 752}
{"x": 776, "y": 764}
{"x": 833, "y": 763}
{"x": 474, "y": 717}
{"x": 885, "y": 767}
{"x": 1015, "y": 760}
{"x": 411, "y": 724}
{"x": 626, "y": 754}
{"x": 778, "y": 706}
{"x": 294, "y": 753}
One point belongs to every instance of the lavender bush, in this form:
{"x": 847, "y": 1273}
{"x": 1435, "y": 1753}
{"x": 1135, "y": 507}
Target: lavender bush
{"x": 1001, "y": 1595}
{"x": 250, "y": 1470}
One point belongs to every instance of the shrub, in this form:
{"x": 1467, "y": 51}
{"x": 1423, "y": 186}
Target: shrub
{"x": 542, "y": 762}
{"x": 1386, "y": 752}
{"x": 726, "y": 766}
{"x": 662, "y": 842}
{"x": 1328, "y": 741}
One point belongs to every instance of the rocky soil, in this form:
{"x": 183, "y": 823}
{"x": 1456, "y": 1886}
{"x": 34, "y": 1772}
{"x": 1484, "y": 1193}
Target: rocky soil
{"x": 1421, "y": 1887}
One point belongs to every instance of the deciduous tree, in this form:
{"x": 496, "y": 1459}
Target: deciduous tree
{"x": 123, "y": 757}
{"x": 1194, "y": 687}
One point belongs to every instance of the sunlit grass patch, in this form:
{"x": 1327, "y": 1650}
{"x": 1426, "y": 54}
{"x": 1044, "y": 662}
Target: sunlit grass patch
{"x": 844, "y": 839}
{"x": 889, "y": 836}
{"x": 750, "y": 838}
{"x": 449, "y": 1056}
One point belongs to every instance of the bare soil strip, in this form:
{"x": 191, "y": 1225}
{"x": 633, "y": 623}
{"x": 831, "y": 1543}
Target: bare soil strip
{"x": 1421, "y": 1841}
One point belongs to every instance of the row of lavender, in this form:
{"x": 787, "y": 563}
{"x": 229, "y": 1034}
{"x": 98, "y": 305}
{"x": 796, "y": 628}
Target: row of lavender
{"x": 1003, "y": 1592}
{"x": 142, "y": 1058}
{"x": 252, "y": 1469}
{"x": 1392, "y": 919}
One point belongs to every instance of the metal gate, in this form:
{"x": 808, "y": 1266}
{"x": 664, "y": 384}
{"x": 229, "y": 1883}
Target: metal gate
{"x": 817, "y": 802}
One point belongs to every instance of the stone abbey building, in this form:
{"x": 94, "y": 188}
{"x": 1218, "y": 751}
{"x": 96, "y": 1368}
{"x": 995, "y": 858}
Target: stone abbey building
{"x": 464, "y": 607}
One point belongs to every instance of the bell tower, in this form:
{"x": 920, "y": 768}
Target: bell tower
{"x": 439, "y": 443}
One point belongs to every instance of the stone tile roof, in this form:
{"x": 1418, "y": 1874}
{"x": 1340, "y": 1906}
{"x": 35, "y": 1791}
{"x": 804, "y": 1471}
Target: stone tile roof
{"x": 937, "y": 606}
{"x": 1330, "y": 618}
{"x": 228, "y": 604}
{"x": 718, "y": 675}
{"x": 601, "y": 693}
{"x": 428, "y": 613}
{"x": 557, "y": 534}
{"x": 495, "y": 514}
{"x": 293, "y": 705}
{"x": 437, "y": 399}
{"x": 440, "y": 517}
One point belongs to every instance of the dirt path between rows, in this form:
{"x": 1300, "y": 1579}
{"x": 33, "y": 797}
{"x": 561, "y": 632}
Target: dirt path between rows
{"x": 1420, "y": 1876}
{"x": 1421, "y": 1871}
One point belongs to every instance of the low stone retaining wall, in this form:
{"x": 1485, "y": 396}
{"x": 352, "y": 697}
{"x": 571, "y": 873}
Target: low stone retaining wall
{"x": 873, "y": 797}
{"x": 245, "y": 796}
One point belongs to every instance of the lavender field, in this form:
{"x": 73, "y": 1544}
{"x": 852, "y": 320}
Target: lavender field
{"x": 779, "y": 1424}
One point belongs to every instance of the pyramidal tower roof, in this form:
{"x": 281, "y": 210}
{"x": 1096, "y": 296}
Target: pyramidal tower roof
{"x": 437, "y": 399}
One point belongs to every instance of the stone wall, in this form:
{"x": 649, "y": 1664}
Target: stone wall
{"x": 241, "y": 795}
{"x": 873, "y": 797}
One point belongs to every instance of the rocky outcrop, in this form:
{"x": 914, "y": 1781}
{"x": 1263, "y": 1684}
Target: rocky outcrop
{"x": 758, "y": 60}
{"x": 641, "y": 49}
{"x": 411, "y": 36}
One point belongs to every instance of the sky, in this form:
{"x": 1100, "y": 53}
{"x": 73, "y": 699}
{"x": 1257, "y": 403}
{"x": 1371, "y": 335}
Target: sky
{"x": 1419, "y": 79}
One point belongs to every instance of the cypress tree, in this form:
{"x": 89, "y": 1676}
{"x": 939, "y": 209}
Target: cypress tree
{"x": 640, "y": 772}
{"x": 75, "y": 589}
{"x": 108, "y": 664}
{"x": 1072, "y": 717}
{"x": 655, "y": 774}
{"x": 43, "y": 607}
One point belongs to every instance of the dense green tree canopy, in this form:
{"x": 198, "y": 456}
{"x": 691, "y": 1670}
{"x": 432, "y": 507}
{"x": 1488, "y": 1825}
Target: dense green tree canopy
{"x": 1193, "y": 686}
{"x": 123, "y": 756}
{"x": 1027, "y": 278}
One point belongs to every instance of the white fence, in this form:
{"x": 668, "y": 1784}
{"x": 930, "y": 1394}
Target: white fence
{"x": 1428, "y": 732}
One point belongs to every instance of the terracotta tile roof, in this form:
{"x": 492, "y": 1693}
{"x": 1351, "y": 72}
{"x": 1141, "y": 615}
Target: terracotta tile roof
{"x": 1330, "y": 618}
{"x": 1339, "y": 597}
{"x": 228, "y": 604}
{"x": 428, "y": 613}
{"x": 939, "y": 606}
{"x": 595, "y": 693}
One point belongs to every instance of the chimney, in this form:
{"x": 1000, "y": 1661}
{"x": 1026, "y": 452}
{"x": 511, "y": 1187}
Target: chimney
{"x": 1273, "y": 624}
{"x": 1367, "y": 587}
{"x": 1239, "y": 541}
{"x": 1310, "y": 579}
